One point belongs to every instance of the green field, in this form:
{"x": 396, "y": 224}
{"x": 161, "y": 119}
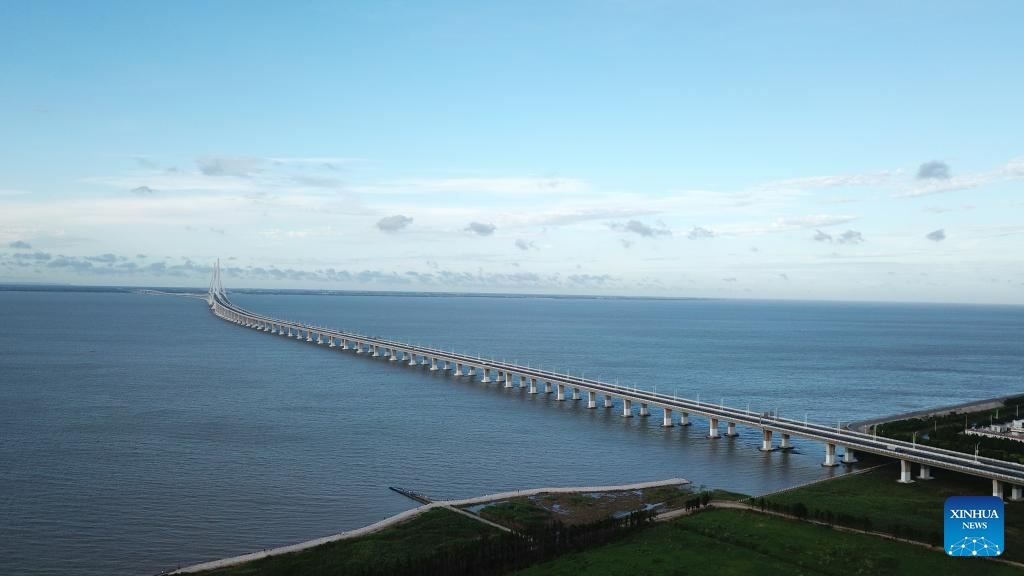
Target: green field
{"x": 911, "y": 510}
{"x": 724, "y": 542}
{"x": 420, "y": 537}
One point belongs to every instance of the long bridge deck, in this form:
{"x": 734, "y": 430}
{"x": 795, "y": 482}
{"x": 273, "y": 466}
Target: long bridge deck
{"x": 1000, "y": 472}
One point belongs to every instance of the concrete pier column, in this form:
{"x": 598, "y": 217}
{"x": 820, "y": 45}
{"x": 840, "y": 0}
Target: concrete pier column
{"x": 997, "y": 488}
{"x": 319, "y": 338}
{"x": 487, "y": 375}
{"x": 713, "y": 428}
{"x": 926, "y": 473}
{"x": 627, "y": 408}
{"x": 607, "y": 400}
{"x": 522, "y": 380}
{"x": 684, "y": 418}
{"x": 643, "y": 410}
{"x": 394, "y": 355}
{"x": 309, "y": 336}
{"x": 533, "y": 385}
{"x": 359, "y": 348}
{"x": 433, "y": 363}
{"x": 785, "y": 445}
{"x": 561, "y": 392}
{"x": 412, "y": 359}
{"x": 330, "y": 342}
{"x": 472, "y": 371}
{"x": 501, "y": 376}
{"x": 766, "y": 440}
{"x": 848, "y": 456}
{"x": 730, "y": 429}
{"x": 547, "y": 387}
{"x": 375, "y": 350}
{"x": 830, "y": 455}
{"x": 1016, "y": 493}
{"x": 905, "y": 472}
{"x": 591, "y": 399}
{"x": 509, "y": 378}
{"x": 666, "y": 419}
{"x": 458, "y": 369}
{"x": 576, "y": 394}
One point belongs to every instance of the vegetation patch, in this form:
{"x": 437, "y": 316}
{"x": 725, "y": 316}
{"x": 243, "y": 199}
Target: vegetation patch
{"x": 875, "y": 501}
{"x": 722, "y": 542}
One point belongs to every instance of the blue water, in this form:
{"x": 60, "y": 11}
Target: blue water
{"x": 138, "y": 433}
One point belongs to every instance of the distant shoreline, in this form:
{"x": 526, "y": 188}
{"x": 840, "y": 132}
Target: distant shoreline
{"x": 865, "y": 425}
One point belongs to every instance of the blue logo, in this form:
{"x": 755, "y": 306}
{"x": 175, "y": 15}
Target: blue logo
{"x": 974, "y": 526}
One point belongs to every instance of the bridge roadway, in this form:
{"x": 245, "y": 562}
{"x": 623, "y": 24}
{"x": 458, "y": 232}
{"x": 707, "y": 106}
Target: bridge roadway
{"x": 926, "y": 457}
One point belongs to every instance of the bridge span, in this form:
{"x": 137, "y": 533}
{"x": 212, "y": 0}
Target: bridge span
{"x": 633, "y": 401}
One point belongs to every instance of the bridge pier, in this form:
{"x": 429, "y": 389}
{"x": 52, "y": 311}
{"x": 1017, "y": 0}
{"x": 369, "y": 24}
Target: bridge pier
{"x": 997, "y": 489}
{"x": 730, "y": 429}
{"x": 487, "y": 375}
{"x": 533, "y": 385}
{"x": 830, "y": 455}
{"x": 575, "y": 393}
{"x": 394, "y": 355}
{"x": 666, "y": 419}
{"x": 509, "y": 378}
{"x": 561, "y": 392}
{"x": 472, "y": 371}
{"x": 458, "y": 369}
{"x": 848, "y": 456}
{"x": 926, "y": 473}
{"x": 766, "y": 440}
{"x": 374, "y": 351}
{"x": 433, "y": 363}
{"x": 684, "y": 419}
{"x": 591, "y": 399}
{"x": 547, "y": 387}
{"x": 1016, "y": 493}
{"x": 319, "y": 338}
{"x": 905, "y": 472}
{"x": 643, "y": 410}
{"x": 522, "y": 380}
{"x": 309, "y": 336}
{"x": 713, "y": 428}
{"x": 627, "y": 408}
{"x": 785, "y": 445}
{"x": 412, "y": 359}
{"x": 607, "y": 400}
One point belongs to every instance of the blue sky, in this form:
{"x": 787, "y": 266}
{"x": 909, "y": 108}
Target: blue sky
{"x": 803, "y": 150}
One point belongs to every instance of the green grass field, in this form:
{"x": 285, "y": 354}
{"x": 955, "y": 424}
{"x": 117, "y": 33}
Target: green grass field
{"x": 877, "y": 496}
{"x": 417, "y": 538}
{"x": 724, "y": 542}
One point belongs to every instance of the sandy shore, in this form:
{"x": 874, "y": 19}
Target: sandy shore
{"x": 865, "y": 425}
{"x": 409, "y": 514}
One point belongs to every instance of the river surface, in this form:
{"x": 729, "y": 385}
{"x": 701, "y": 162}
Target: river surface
{"x": 139, "y": 433}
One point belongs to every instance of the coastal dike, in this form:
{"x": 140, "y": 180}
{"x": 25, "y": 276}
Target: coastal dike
{"x": 974, "y": 406}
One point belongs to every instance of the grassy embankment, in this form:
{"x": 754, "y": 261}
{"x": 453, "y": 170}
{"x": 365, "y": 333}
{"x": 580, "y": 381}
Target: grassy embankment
{"x": 946, "y": 431}
{"x": 420, "y": 537}
{"x": 710, "y": 542}
{"x": 723, "y": 541}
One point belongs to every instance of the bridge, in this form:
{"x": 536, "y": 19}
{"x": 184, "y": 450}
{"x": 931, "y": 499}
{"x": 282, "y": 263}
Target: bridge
{"x": 633, "y": 401}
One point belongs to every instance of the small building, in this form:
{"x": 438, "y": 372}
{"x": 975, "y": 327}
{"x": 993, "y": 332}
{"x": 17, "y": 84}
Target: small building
{"x": 1017, "y": 426}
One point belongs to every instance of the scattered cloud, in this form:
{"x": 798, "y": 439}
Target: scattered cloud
{"x": 942, "y": 209}
{"x": 934, "y": 170}
{"x": 845, "y": 180}
{"x": 143, "y": 191}
{"x": 393, "y": 223}
{"x": 936, "y": 235}
{"x": 730, "y": 279}
{"x": 625, "y": 242}
{"x": 480, "y": 228}
{"x": 850, "y": 237}
{"x": 524, "y": 244}
{"x": 638, "y": 227}
{"x": 511, "y": 185}
{"x": 229, "y": 165}
{"x": 20, "y": 245}
{"x": 697, "y": 233}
